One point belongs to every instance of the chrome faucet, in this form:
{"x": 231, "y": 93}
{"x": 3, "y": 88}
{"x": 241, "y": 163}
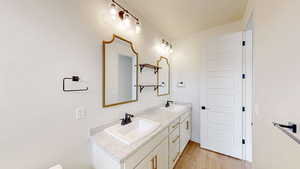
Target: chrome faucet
{"x": 127, "y": 119}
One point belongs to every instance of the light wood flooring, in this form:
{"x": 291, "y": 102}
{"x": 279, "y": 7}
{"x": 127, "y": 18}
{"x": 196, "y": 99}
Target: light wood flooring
{"x": 195, "y": 157}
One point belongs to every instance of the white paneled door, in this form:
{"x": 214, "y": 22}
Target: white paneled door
{"x": 221, "y": 116}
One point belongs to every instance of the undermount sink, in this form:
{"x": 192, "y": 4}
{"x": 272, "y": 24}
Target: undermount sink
{"x": 175, "y": 108}
{"x": 134, "y": 131}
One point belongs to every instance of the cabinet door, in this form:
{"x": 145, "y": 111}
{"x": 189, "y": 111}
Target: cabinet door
{"x": 174, "y": 148}
{"x": 162, "y": 154}
{"x": 185, "y": 133}
{"x": 147, "y": 163}
{"x": 158, "y": 159}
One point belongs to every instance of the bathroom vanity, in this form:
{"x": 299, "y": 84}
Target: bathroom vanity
{"x": 154, "y": 140}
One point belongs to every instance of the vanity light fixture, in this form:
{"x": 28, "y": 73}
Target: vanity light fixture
{"x": 137, "y": 27}
{"x": 171, "y": 49}
{"x": 166, "y": 47}
{"x": 113, "y": 11}
{"x": 126, "y": 20}
{"x": 117, "y": 9}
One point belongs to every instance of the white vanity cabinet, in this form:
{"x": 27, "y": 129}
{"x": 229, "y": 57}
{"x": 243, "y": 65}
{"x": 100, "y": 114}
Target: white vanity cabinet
{"x": 185, "y": 132}
{"x": 166, "y": 155}
{"x": 174, "y": 142}
{"x": 158, "y": 159}
{"x": 161, "y": 151}
{"x": 153, "y": 153}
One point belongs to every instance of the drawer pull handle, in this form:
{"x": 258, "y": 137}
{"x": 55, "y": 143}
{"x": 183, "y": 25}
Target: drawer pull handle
{"x": 153, "y": 161}
{"x": 175, "y": 125}
{"x": 175, "y": 139}
{"x": 176, "y": 157}
{"x": 187, "y": 125}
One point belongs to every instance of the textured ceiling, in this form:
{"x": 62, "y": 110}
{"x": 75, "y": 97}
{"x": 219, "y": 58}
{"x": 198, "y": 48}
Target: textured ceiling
{"x": 178, "y": 18}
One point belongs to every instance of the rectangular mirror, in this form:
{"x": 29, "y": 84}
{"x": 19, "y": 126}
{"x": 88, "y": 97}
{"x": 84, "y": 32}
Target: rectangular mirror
{"x": 163, "y": 77}
{"x": 120, "y": 72}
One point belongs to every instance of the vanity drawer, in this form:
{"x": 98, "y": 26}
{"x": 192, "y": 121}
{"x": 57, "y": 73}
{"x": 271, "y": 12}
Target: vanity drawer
{"x": 175, "y": 124}
{"x": 174, "y": 136}
{"x": 185, "y": 116}
{"x": 132, "y": 161}
{"x": 174, "y": 147}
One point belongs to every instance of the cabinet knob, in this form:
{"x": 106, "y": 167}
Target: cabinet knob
{"x": 203, "y": 107}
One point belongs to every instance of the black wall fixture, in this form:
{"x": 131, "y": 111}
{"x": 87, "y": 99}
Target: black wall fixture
{"x": 74, "y": 79}
{"x": 291, "y": 126}
{"x": 290, "y": 130}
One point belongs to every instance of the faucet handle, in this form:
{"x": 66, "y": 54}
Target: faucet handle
{"x": 128, "y": 115}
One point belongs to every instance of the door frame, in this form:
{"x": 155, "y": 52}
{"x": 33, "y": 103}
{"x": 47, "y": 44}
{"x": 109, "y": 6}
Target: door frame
{"x": 248, "y": 89}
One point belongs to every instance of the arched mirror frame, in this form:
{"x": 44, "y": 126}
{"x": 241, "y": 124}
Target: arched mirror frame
{"x": 160, "y": 59}
{"x": 104, "y": 43}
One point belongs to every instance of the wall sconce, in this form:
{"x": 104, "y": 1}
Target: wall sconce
{"x": 117, "y": 9}
{"x": 166, "y": 47}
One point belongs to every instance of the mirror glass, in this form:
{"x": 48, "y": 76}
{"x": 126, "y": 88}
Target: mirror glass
{"x": 163, "y": 77}
{"x": 120, "y": 72}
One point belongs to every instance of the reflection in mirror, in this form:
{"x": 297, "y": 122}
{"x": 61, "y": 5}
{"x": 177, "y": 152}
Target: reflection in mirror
{"x": 119, "y": 72}
{"x": 163, "y": 77}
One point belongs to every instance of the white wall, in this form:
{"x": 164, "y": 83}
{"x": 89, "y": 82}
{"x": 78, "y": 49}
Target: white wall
{"x": 188, "y": 65}
{"x": 41, "y": 43}
{"x": 276, "y": 77}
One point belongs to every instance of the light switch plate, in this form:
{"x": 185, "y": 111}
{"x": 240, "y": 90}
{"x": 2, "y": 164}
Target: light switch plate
{"x": 180, "y": 84}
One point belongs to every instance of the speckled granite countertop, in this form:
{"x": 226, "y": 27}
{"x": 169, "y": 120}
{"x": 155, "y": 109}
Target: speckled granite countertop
{"x": 120, "y": 151}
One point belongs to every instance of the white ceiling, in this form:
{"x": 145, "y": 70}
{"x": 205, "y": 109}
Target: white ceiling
{"x": 177, "y": 18}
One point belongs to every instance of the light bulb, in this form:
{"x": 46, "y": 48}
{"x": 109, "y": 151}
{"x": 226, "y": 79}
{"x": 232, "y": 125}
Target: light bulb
{"x": 126, "y": 20}
{"x": 163, "y": 47}
{"x": 171, "y": 49}
{"x": 113, "y": 11}
{"x": 166, "y": 48}
{"x": 137, "y": 27}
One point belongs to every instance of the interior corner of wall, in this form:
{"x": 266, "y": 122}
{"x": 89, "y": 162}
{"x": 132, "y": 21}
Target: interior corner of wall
{"x": 248, "y": 12}
{"x": 195, "y": 139}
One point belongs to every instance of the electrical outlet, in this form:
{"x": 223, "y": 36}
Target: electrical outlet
{"x": 80, "y": 113}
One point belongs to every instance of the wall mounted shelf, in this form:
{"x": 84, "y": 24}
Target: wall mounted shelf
{"x": 149, "y": 66}
{"x": 143, "y": 86}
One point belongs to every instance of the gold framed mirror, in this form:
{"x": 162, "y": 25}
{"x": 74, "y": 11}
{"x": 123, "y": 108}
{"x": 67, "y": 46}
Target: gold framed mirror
{"x": 163, "y": 77}
{"x": 120, "y": 72}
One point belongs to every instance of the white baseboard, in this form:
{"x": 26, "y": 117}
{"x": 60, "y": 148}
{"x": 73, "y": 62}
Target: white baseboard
{"x": 197, "y": 140}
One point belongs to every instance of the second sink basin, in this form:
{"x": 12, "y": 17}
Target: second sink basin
{"x": 175, "y": 108}
{"x": 134, "y": 131}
